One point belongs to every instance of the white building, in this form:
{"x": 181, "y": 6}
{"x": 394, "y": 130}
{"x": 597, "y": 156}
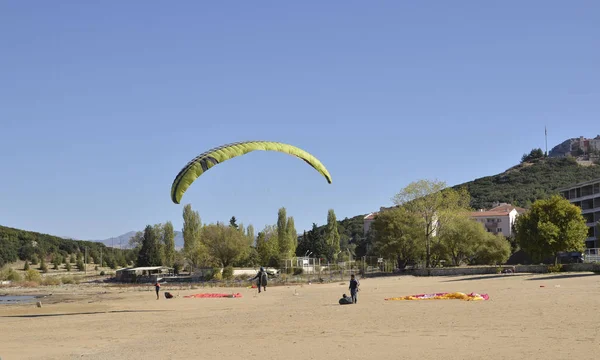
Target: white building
{"x": 586, "y": 195}
{"x": 499, "y": 219}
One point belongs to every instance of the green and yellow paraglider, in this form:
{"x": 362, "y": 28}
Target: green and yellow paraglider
{"x": 201, "y": 163}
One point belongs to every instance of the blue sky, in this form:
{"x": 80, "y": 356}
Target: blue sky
{"x": 102, "y": 103}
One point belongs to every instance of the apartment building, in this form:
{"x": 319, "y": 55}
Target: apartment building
{"x": 586, "y": 195}
{"x": 500, "y": 219}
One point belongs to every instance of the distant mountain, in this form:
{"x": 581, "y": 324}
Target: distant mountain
{"x": 123, "y": 240}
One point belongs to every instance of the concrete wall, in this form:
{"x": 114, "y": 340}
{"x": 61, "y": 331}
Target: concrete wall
{"x": 483, "y": 270}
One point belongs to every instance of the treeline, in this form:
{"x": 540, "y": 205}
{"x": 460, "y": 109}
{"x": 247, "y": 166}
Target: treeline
{"x": 432, "y": 224}
{"x": 35, "y": 248}
{"x": 220, "y": 245}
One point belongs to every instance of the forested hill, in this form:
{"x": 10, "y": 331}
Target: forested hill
{"x": 521, "y": 185}
{"x": 25, "y": 245}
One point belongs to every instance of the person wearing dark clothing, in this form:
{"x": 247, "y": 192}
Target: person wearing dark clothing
{"x": 157, "y": 287}
{"x": 262, "y": 279}
{"x": 345, "y": 300}
{"x": 354, "y": 284}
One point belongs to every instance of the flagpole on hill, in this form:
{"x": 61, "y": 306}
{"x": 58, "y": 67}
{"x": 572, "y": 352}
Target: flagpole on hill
{"x": 546, "y": 136}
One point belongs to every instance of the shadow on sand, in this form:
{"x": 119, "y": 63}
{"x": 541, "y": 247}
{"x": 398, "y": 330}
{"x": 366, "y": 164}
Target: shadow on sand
{"x": 565, "y": 276}
{"x": 486, "y": 277}
{"x": 80, "y": 313}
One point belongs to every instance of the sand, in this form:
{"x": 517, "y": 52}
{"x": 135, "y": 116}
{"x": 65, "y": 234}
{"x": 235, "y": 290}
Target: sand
{"x": 522, "y": 320}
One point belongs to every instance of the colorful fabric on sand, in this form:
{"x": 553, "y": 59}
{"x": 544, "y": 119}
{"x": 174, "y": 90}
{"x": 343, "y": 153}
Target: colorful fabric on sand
{"x": 209, "y": 295}
{"x": 444, "y": 296}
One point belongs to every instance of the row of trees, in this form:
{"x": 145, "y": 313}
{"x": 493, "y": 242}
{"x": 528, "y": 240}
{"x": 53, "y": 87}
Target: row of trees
{"x": 429, "y": 223}
{"x": 432, "y": 223}
{"x": 221, "y": 245}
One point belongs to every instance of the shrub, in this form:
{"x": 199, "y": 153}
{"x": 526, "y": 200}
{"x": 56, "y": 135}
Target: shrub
{"x": 216, "y": 274}
{"x": 26, "y": 267}
{"x": 228, "y": 273}
{"x": 33, "y": 275}
{"x": 43, "y": 266}
{"x": 298, "y": 271}
{"x": 10, "y": 274}
{"x": 80, "y": 265}
{"x": 34, "y": 259}
{"x": 51, "y": 280}
{"x": 555, "y": 268}
{"x": 68, "y": 266}
{"x": 102, "y": 273}
{"x": 67, "y": 280}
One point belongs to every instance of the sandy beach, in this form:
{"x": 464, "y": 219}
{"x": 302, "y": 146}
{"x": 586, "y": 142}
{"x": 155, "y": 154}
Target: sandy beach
{"x": 528, "y": 317}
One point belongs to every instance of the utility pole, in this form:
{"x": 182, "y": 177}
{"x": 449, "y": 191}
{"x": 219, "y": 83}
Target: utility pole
{"x": 546, "y": 136}
{"x": 85, "y": 261}
{"x": 101, "y": 263}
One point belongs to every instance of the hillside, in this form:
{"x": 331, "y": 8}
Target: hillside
{"x": 18, "y": 244}
{"x": 521, "y": 185}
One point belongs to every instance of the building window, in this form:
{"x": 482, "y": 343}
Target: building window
{"x": 499, "y": 229}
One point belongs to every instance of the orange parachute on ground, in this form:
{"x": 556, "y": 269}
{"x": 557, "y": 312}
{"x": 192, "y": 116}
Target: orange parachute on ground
{"x": 444, "y": 296}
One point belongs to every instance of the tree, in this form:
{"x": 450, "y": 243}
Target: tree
{"x": 332, "y": 236}
{"x": 267, "y": 246}
{"x": 232, "y": 222}
{"x": 282, "y": 237}
{"x": 192, "y": 229}
{"x": 149, "y": 254}
{"x": 434, "y": 204}
{"x": 550, "y": 226}
{"x": 460, "y": 238}
{"x": 225, "y": 244}
{"x": 396, "y": 233}
{"x": 290, "y": 230}
{"x": 135, "y": 241}
{"x": 493, "y": 249}
{"x": 250, "y": 233}
{"x": 533, "y": 155}
{"x": 168, "y": 239}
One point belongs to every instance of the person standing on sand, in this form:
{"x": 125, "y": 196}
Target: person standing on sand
{"x": 354, "y": 284}
{"x": 262, "y": 279}
{"x": 157, "y": 287}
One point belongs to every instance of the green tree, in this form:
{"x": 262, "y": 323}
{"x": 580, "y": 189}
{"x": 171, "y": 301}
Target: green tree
{"x": 397, "y": 234}
{"x": 460, "y": 238}
{"x": 282, "y": 236}
{"x": 136, "y": 240}
{"x": 43, "y": 266}
{"x": 250, "y": 233}
{"x": 533, "y": 155}
{"x": 26, "y": 267}
{"x": 233, "y": 222}
{"x": 267, "y": 246}
{"x": 68, "y": 266}
{"x": 193, "y": 247}
{"x": 292, "y": 235}
{"x": 225, "y": 244}
{"x": 149, "y": 254}
{"x": 493, "y": 249}
{"x": 332, "y": 236}
{"x": 434, "y": 204}
{"x": 550, "y": 226}
{"x": 168, "y": 239}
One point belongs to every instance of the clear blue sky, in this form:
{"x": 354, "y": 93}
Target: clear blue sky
{"x": 102, "y": 103}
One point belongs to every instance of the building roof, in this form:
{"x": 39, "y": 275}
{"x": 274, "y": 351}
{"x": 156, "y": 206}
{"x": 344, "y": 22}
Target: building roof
{"x": 508, "y": 207}
{"x": 491, "y": 213}
{"x": 144, "y": 268}
{"x": 371, "y": 216}
{"x": 584, "y": 183}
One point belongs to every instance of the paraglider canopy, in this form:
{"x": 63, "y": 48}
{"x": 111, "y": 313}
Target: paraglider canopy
{"x": 201, "y": 163}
